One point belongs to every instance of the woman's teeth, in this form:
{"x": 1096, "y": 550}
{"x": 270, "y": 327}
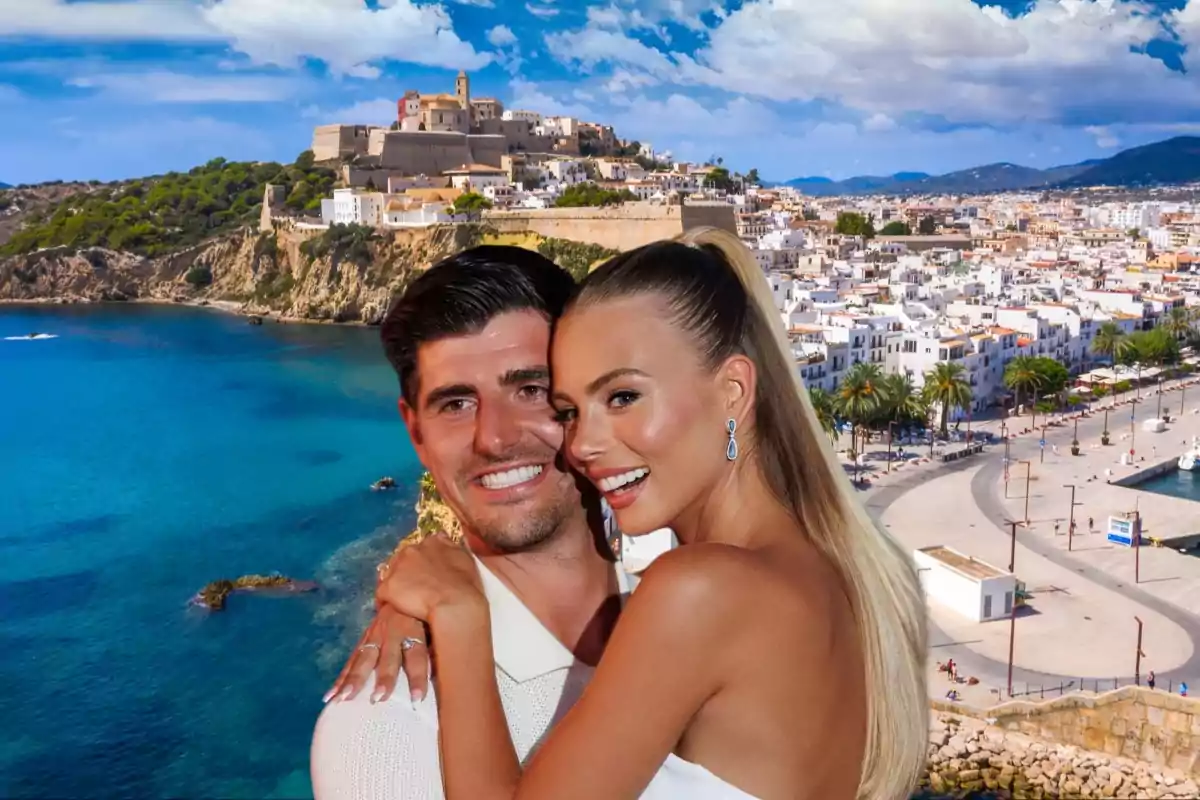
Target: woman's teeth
{"x": 615, "y": 482}
{"x": 510, "y": 477}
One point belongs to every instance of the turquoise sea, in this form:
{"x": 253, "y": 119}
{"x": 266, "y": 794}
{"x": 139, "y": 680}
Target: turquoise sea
{"x": 147, "y": 451}
{"x": 1176, "y": 483}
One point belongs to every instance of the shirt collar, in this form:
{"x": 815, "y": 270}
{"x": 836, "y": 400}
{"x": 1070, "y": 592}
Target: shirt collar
{"x": 521, "y": 645}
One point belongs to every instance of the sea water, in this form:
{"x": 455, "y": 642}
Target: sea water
{"x": 144, "y": 452}
{"x": 1175, "y": 483}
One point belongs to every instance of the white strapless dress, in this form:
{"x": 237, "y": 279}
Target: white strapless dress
{"x": 677, "y": 779}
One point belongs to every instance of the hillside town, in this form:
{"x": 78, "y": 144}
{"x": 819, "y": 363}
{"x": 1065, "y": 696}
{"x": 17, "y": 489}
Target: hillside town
{"x": 902, "y": 283}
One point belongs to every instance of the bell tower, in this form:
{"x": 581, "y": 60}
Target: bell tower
{"x": 462, "y": 90}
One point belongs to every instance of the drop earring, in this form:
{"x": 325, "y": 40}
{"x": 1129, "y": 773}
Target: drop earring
{"x": 731, "y": 450}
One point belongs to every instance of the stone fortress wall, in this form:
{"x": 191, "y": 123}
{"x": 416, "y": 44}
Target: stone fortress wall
{"x": 619, "y": 227}
{"x": 1154, "y": 727}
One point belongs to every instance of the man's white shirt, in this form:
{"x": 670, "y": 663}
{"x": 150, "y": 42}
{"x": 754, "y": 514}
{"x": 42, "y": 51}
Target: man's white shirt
{"x": 389, "y": 750}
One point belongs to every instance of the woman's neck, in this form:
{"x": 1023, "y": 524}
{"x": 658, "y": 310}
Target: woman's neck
{"x": 741, "y": 510}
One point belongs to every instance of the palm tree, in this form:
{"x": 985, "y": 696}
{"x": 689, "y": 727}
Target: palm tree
{"x": 1108, "y": 340}
{"x": 860, "y": 397}
{"x": 1177, "y": 322}
{"x": 946, "y": 387}
{"x": 823, "y": 405}
{"x": 904, "y": 402}
{"x": 1023, "y": 377}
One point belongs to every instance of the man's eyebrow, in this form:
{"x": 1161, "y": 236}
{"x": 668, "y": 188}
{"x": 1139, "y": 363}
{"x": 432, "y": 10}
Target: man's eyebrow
{"x": 612, "y": 375}
{"x": 515, "y": 377}
{"x": 450, "y": 392}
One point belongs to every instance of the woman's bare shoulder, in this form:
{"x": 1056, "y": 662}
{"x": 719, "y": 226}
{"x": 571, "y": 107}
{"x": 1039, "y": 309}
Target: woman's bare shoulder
{"x": 737, "y": 580}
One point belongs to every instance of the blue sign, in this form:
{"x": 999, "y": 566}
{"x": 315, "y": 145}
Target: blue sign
{"x": 1041, "y": 443}
{"x": 1125, "y": 532}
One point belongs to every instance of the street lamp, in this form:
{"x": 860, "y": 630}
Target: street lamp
{"x": 1071, "y": 522}
{"x": 1012, "y": 613}
{"x": 1160, "y": 382}
{"x": 1028, "y": 472}
{"x": 1137, "y": 662}
{"x": 1132, "y": 426}
{"x": 889, "y": 458}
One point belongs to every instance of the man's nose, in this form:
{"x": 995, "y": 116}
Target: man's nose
{"x": 497, "y": 429}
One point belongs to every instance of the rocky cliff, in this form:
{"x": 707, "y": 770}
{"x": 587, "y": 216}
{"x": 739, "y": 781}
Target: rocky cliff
{"x": 338, "y": 276}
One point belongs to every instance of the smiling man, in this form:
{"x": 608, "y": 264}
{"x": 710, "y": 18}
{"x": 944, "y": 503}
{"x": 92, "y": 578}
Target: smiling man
{"x": 470, "y": 342}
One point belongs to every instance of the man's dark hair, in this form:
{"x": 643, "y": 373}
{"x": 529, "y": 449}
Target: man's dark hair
{"x": 460, "y": 295}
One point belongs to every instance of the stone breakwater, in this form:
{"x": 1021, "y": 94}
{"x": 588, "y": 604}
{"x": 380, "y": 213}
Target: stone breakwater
{"x": 969, "y": 758}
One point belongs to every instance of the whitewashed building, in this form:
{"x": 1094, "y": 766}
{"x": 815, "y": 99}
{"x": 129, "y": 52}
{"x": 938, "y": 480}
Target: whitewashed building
{"x": 967, "y": 586}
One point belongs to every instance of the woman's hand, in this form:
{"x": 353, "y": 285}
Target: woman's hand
{"x": 431, "y": 578}
{"x": 389, "y": 645}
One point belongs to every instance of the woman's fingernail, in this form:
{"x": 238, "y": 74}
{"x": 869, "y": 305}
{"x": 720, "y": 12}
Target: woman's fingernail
{"x": 345, "y": 695}
{"x": 329, "y": 695}
{"x": 376, "y": 695}
{"x": 418, "y": 696}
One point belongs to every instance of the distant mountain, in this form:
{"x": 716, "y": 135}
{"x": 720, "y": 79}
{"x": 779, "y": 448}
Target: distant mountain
{"x": 1172, "y": 161}
{"x": 4, "y": 186}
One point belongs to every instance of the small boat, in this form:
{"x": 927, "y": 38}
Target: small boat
{"x": 383, "y": 484}
{"x": 1190, "y": 460}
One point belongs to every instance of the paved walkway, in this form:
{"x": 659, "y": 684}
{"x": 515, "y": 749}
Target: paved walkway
{"x": 1083, "y": 608}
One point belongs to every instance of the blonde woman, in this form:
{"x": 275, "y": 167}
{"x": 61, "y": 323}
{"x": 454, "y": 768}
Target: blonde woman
{"x": 779, "y": 651}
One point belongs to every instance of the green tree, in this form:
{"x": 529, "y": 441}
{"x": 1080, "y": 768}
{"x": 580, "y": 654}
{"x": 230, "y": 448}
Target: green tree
{"x": 589, "y": 194}
{"x": 471, "y": 204}
{"x": 861, "y": 397}
{"x": 902, "y": 402}
{"x": 306, "y": 160}
{"x": 752, "y": 177}
{"x": 927, "y": 226}
{"x": 719, "y": 178}
{"x": 947, "y": 388}
{"x": 823, "y": 407}
{"x": 199, "y": 277}
{"x": 850, "y": 223}
{"x": 1177, "y": 322}
{"x": 1108, "y": 340}
{"x": 896, "y": 228}
{"x": 1024, "y": 378}
{"x": 157, "y": 215}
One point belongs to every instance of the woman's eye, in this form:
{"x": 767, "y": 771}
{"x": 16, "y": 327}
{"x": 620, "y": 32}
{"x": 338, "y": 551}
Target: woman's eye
{"x": 623, "y": 398}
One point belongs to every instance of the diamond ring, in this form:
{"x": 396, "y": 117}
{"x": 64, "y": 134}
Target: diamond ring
{"x": 368, "y": 646}
{"x": 408, "y": 643}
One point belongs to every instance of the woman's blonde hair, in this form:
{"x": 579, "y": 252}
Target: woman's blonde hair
{"x": 717, "y": 292}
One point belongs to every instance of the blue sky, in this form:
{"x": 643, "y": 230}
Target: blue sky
{"x": 120, "y": 88}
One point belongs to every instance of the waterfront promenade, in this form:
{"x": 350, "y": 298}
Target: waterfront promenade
{"x": 1081, "y": 623}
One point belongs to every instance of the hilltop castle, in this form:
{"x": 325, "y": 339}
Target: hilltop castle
{"x": 437, "y": 132}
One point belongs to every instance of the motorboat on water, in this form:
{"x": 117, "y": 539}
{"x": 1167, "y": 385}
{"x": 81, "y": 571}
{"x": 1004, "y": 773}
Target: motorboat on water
{"x": 1190, "y": 460}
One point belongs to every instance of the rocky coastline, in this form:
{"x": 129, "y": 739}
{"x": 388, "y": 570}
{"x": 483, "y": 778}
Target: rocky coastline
{"x": 214, "y": 595}
{"x": 268, "y": 275}
{"x": 969, "y": 758}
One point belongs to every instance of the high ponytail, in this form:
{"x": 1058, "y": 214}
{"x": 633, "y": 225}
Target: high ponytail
{"x": 718, "y": 293}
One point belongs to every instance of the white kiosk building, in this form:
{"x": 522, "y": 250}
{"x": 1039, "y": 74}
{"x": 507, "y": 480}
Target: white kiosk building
{"x": 966, "y": 585}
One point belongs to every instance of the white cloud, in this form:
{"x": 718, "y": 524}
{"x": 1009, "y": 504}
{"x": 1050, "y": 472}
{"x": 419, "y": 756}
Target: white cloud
{"x": 593, "y": 45}
{"x": 878, "y": 122}
{"x": 343, "y": 33}
{"x": 1063, "y": 61}
{"x": 347, "y": 35}
{"x": 1104, "y": 137}
{"x": 128, "y": 20}
{"x": 501, "y": 36}
{"x": 476, "y": 3}
{"x": 541, "y": 12}
{"x": 163, "y": 86}
{"x": 380, "y": 111}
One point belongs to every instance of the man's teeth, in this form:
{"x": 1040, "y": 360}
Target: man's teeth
{"x": 614, "y": 482}
{"x": 510, "y": 477}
